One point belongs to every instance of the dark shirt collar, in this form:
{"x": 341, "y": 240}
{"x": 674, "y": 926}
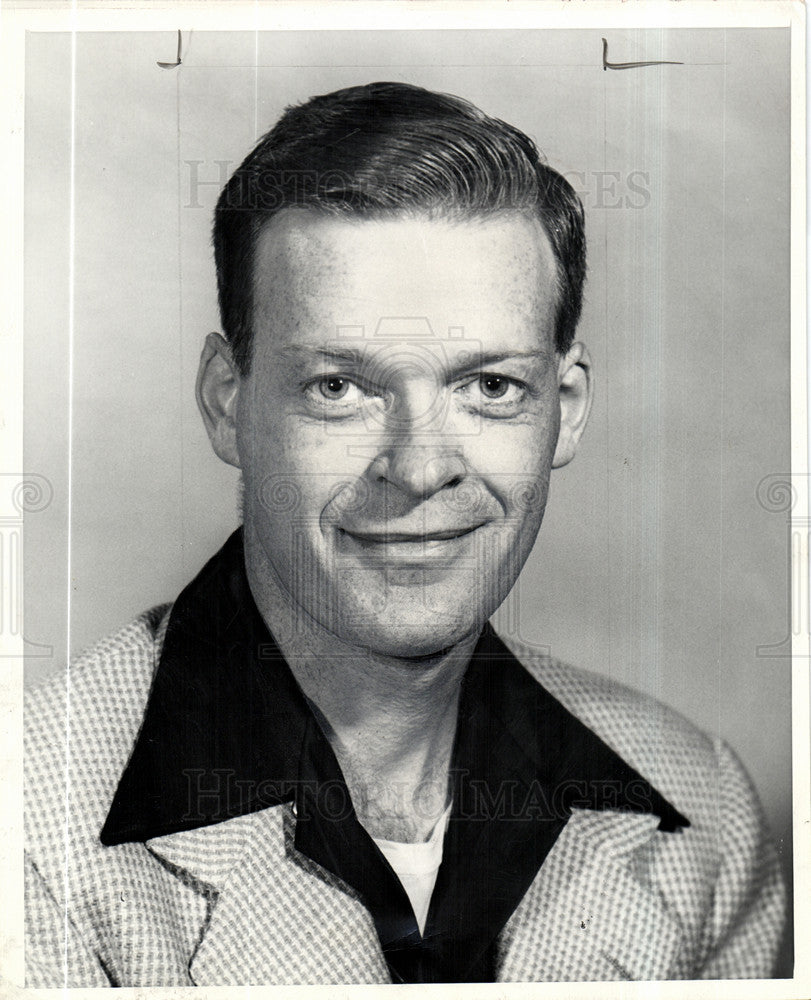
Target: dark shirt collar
{"x": 227, "y": 731}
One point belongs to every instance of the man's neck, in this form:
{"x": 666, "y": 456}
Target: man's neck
{"x": 391, "y": 721}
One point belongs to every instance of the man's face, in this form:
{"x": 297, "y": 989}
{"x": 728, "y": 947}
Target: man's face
{"x": 397, "y": 429}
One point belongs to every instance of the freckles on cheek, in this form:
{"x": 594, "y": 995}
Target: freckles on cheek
{"x": 320, "y": 460}
{"x": 516, "y": 449}
{"x": 317, "y": 444}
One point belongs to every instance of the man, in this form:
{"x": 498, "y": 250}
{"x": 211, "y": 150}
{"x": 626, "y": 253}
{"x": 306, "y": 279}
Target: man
{"x": 321, "y": 764}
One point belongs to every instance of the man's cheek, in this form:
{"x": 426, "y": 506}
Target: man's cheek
{"x": 503, "y": 451}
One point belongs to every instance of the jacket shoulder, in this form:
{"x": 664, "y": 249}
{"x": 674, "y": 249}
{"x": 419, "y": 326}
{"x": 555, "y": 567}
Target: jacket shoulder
{"x": 80, "y": 725}
{"x": 680, "y": 760}
{"x": 720, "y": 877}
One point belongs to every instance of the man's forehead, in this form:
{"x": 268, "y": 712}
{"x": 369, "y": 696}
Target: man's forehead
{"x": 324, "y": 243}
{"x": 315, "y": 269}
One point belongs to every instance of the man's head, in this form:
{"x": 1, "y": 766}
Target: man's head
{"x": 399, "y": 296}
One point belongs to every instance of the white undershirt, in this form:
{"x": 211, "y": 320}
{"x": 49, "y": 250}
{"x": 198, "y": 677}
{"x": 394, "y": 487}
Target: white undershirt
{"x": 416, "y": 865}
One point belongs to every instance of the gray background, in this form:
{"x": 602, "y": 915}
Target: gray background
{"x": 656, "y": 563}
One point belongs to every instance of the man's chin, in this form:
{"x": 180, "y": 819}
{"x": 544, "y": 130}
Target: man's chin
{"x": 416, "y": 641}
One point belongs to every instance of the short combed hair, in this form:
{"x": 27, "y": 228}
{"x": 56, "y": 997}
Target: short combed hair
{"x": 384, "y": 150}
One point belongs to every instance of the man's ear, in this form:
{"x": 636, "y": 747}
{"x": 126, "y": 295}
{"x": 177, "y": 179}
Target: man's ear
{"x": 576, "y": 391}
{"x": 218, "y": 384}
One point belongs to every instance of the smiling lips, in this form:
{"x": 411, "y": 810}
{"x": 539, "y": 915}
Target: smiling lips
{"x": 408, "y": 549}
{"x": 373, "y": 538}
{"x": 388, "y": 537}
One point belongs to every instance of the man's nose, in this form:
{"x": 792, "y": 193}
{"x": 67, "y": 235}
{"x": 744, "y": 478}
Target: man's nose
{"x": 418, "y": 470}
{"x": 420, "y": 455}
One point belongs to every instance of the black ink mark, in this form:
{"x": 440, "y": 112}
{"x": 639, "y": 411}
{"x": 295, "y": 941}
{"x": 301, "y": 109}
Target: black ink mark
{"x": 175, "y": 64}
{"x": 634, "y": 65}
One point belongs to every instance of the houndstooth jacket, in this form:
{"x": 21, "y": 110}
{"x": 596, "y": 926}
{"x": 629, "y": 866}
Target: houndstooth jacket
{"x": 234, "y": 903}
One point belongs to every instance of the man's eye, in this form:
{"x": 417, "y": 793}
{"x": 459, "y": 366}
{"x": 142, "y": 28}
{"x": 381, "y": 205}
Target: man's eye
{"x": 337, "y": 394}
{"x": 497, "y": 395}
{"x": 334, "y": 387}
{"x": 494, "y": 386}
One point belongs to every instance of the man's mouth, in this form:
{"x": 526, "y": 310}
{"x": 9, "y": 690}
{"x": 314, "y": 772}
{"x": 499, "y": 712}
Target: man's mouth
{"x": 386, "y": 537}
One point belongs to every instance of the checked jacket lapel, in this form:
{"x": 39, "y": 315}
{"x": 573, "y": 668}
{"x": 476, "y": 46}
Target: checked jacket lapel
{"x": 589, "y": 914}
{"x": 271, "y": 915}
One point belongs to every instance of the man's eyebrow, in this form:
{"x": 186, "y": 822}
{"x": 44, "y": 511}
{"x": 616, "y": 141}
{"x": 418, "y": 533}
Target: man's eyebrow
{"x": 473, "y": 360}
{"x": 344, "y": 354}
{"x": 497, "y": 357}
